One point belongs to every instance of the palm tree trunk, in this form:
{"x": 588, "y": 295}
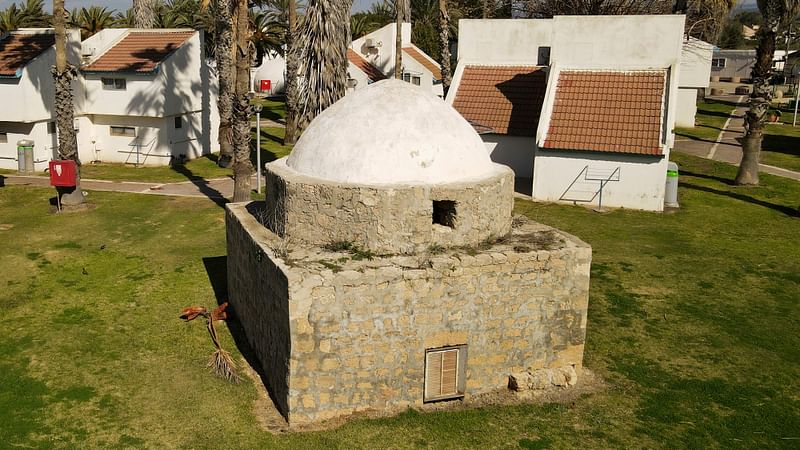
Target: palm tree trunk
{"x": 63, "y": 74}
{"x": 290, "y": 136}
{"x": 144, "y": 13}
{"x": 487, "y": 11}
{"x": 398, "y": 41}
{"x": 759, "y": 105}
{"x": 444, "y": 37}
{"x": 224, "y": 56}
{"x": 242, "y": 167}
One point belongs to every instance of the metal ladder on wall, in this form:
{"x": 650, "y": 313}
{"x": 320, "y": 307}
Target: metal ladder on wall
{"x": 587, "y": 174}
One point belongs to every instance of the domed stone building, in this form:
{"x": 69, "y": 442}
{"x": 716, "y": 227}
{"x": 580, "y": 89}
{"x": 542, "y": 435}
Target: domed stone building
{"x": 385, "y": 269}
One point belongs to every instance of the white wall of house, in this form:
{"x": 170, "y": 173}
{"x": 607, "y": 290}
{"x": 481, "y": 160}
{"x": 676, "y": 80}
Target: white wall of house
{"x": 505, "y": 42}
{"x": 382, "y": 54}
{"x": 515, "y": 152}
{"x": 45, "y": 144}
{"x": 354, "y": 73}
{"x": 414, "y": 68}
{"x": 273, "y": 68}
{"x": 558, "y": 177}
{"x": 695, "y": 73}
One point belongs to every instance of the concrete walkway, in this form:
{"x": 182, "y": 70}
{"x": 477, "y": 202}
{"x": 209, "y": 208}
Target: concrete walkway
{"x": 727, "y": 148}
{"x": 217, "y": 189}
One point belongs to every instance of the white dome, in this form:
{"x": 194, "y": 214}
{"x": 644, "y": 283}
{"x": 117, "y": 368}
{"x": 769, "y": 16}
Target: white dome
{"x": 391, "y": 132}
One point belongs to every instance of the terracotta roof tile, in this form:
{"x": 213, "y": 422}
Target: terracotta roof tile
{"x": 372, "y": 72}
{"x": 420, "y": 58}
{"x": 506, "y": 98}
{"x": 139, "y": 51}
{"x": 608, "y": 111}
{"x": 18, "y": 49}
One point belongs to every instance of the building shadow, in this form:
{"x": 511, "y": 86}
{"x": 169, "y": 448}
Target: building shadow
{"x": 217, "y": 272}
{"x": 2, "y": 181}
{"x": 788, "y": 145}
{"x": 789, "y": 211}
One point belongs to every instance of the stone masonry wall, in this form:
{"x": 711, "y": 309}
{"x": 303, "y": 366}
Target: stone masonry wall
{"x": 393, "y": 219}
{"x": 359, "y": 329}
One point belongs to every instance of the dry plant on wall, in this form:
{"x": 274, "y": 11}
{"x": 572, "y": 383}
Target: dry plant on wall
{"x": 220, "y": 363}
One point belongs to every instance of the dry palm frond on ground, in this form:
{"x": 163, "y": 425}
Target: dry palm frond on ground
{"x": 220, "y": 363}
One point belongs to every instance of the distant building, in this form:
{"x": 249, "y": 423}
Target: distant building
{"x": 370, "y": 58}
{"x": 732, "y": 65}
{"x": 28, "y": 91}
{"x": 576, "y": 108}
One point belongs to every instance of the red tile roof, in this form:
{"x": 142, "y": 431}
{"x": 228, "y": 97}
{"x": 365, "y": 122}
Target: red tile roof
{"x": 139, "y": 51}
{"x": 372, "y": 72}
{"x": 506, "y": 98}
{"x": 427, "y": 63}
{"x": 18, "y": 49}
{"x": 608, "y": 112}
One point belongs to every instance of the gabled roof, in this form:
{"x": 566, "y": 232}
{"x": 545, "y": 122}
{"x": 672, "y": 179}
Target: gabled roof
{"x": 608, "y": 111}
{"x": 371, "y": 71}
{"x": 508, "y": 99}
{"x": 139, "y": 51}
{"x": 18, "y": 49}
{"x": 422, "y": 59}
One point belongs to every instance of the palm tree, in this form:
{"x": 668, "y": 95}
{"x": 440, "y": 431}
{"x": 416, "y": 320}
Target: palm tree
{"x": 322, "y": 54}
{"x": 144, "y": 13}
{"x": 28, "y": 14}
{"x": 399, "y": 6}
{"x": 91, "y": 21}
{"x": 124, "y": 19}
{"x": 268, "y": 34}
{"x": 292, "y": 92}
{"x": 63, "y": 74}
{"x": 444, "y": 37}
{"x": 362, "y": 24}
{"x": 223, "y": 53}
{"x": 242, "y": 167}
{"x": 774, "y": 12}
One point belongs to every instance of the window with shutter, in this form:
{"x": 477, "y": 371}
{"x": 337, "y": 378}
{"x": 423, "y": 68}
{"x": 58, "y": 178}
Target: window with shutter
{"x": 444, "y": 373}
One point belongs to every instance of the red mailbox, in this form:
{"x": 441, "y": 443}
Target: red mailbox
{"x": 266, "y": 85}
{"x": 63, "y": 173}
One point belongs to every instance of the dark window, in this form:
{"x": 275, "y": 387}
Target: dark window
{"x": 114, "y": 84}
{"x": 51, "y": 127}
{"x": 3, "y": 138}
{"x": 544, "y": 56}
{"x": 444, "y": 213}
{"x": 123, "y": 131}
{"x": 178, "y": 123}
{"x": 718, "y": 63}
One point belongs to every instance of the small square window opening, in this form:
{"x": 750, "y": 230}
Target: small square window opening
{"x": 444, "y": 213}
{"x": 178, "y": 123}
{"x": 51, "y": 128}
{"x": 445, "y": 370}
{"x": 3, "y": 138}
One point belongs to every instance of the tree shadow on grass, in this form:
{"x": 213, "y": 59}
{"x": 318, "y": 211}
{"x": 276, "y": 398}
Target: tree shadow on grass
{"x": 788, "y": 145}
{"x": 202, "y": 185}
{"x": 2, "y": 181}
{"x": 789, "y": 211}
{"x": 217, "y": 271}
{"x": 706, "y": 176}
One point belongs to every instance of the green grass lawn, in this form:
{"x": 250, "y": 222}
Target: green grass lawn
{"x": 781, "y": 145}
{"x": 272, "y": 108}
{"x": 710, "y": 119}
{"x": 693, "y": 322}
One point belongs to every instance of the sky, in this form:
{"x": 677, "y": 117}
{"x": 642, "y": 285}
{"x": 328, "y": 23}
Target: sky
{"x": 123, "y": 5}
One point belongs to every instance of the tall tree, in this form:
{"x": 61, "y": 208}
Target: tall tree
{"x": 775, "y": 12}
{"x": 242, "y": 167}
{"x": 292, "y": 93}
{"x": 63, "y": 74}
{"x": 323, "y": 38}
{"x": 144, "y": 13}
{"x": 444, "y": 36}
{"x": 92, "y": 20}
{"x": 225, "y": 76}
{"x": 30, "y": 14}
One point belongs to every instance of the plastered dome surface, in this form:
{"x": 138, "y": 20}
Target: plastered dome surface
{"x": 391, "y": 133}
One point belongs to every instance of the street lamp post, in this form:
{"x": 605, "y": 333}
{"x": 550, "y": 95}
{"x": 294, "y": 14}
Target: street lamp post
{"x": 257, "y": 108}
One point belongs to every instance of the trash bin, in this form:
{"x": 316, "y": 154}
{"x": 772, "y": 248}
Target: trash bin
{"x": 671, "y": 192}
{"x": 25, "y": 156}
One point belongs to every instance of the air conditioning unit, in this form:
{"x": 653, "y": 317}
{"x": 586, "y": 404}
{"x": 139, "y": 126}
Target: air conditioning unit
{"x": 87, "y": 51}
{"x": 370, "y": 43}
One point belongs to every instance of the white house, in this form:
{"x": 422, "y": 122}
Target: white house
{"x": 695, "y": 74}
{"x": 370, "y": 58}
{"x": 149, "y": 97}
{"x": 27, "y": 90}
{"x": 579, "y": 106}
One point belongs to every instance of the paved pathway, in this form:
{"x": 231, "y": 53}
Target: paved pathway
{"x": 217, "y": 189}
{"x": 727, "y": 147}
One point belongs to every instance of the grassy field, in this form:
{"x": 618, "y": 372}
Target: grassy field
{"x": 693, "y": 323}
{"x": 710, "y": 119}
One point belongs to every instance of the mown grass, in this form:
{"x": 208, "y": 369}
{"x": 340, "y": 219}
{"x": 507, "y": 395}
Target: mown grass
{"x": 710, "y": 119}
{"x": 693, "y": 323}
{"x": 781, "y": 145}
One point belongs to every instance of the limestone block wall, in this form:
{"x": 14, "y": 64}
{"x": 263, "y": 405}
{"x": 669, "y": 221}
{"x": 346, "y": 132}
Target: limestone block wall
{"x": 358, "y": 330}
{"x": 386, "y": 219}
